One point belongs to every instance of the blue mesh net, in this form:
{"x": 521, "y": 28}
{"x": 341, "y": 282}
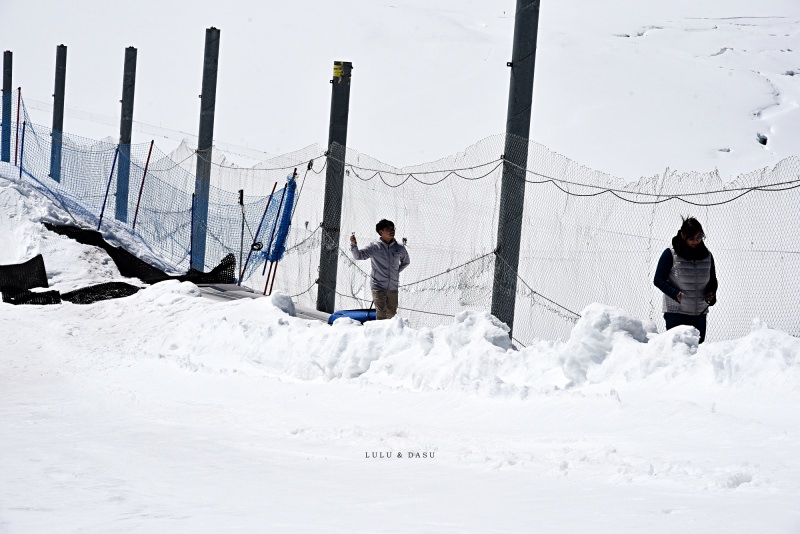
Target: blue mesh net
{"x": 152, "y": 214}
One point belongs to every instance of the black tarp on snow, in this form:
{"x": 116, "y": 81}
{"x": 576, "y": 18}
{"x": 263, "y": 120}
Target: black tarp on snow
{"x": 17, "y": 280}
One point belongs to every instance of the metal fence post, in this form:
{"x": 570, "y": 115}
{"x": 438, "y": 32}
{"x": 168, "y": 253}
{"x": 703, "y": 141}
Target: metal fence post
{"x": 125, "y": 129}
{"x": 512, "y": 190}
{"x": 205, "y": 141}
{"x": 334, "y": 185}
{"x": 5, "y": 149}
{"x": 58, "y": 112}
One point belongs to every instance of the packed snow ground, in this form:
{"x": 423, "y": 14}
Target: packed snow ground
{"x": 169, "y": 412}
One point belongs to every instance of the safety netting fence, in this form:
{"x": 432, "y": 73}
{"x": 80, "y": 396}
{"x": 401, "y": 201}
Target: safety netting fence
{"x": 153, "y": 216}
{"x": 586, "y": 236}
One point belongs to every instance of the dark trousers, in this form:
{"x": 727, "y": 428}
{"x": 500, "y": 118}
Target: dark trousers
{"x": 385, "y": 303}
{"x": 697, "y": 321}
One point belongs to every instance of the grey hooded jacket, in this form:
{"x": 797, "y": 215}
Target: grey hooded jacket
{"x": 387, "y": 262}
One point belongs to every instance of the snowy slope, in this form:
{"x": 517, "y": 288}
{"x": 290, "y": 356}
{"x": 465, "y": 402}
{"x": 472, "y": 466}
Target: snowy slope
{"x": 626, "y": 87}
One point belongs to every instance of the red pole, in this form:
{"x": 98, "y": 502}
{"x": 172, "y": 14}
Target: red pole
{"x": 274, "y": 274}
{"x": 16, "y": 143}
{"x": 268, "y": 275}
{"x": 141, "y": 187}
{"x": 274, "y": 226}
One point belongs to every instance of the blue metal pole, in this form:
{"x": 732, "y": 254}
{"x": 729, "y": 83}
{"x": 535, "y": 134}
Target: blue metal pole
{"x": 191, "y": 232}
{"x": 5, "y": 150}
{"x": 125, "y": 128}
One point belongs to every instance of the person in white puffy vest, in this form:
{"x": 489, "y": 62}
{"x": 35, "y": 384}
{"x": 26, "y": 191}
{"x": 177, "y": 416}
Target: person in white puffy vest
{"x": 389, "y": 258}
{"x": 687, "y": 276}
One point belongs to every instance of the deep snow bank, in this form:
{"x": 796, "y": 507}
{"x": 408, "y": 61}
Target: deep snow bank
{"x": 473, "y": 354}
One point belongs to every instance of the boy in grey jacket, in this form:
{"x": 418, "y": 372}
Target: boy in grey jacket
{"x": 388, "y": 258}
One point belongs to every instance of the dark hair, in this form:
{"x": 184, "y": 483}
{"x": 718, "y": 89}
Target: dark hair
{"x": 691, "y": 227}
{"x": 383, "y": 224}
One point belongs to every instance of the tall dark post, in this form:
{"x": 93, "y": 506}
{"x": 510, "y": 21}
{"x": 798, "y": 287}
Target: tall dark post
{"x": 334, "y": 184}
{"x": 512, "y": 191}
{"x": 241, "y": 240}
{"x": 5, "y": 143}
{"x": 125, "y": 129}
{"x": 58, "y": 112}
{"x": 205, "y": 140}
